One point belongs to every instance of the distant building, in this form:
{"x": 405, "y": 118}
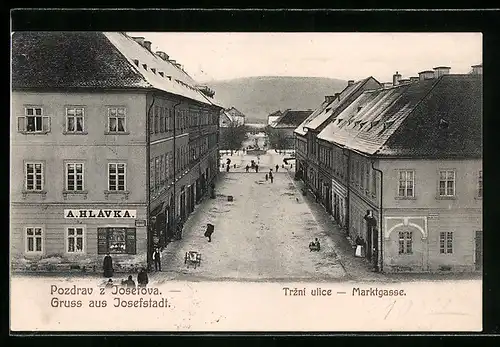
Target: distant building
{"x": 225, "y": 119}
{"x": 112, "y": 144}
{"x": 236, "y": 115}
{"x": 273, "y": 117}
{"x": 404, "y": 167}
{"x": 287, "y": 123}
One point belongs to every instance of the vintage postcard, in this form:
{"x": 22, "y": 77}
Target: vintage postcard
{"x": 205, "y": 182}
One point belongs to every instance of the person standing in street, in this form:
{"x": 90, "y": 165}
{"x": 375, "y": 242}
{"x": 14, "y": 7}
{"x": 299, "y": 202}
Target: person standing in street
{"x": 256, "y": 168}
{"x": 130, "y": 282}
{"x": 247, "y": 168}
{"x": 157, "y": 259}
{"x": 271, "y": 177}
{"x": 277, "y": 167}
{"x": 142, "y": 278}
{"x": 107, "y": 266}
{"x": 267, "y": 177}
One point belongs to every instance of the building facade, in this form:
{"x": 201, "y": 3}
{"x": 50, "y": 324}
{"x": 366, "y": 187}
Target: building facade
{"x": 406, "y": 172}
{"x": 93, "y": 153}
{"x": 312, "y": 158}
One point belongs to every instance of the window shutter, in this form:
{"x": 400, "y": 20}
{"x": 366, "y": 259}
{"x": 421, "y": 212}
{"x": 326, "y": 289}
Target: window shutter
{"x": 130, "y": 240}
{"x": 46, "y": 123}
{"x": 102, "y": 240}
{"x": 21, "y": 124}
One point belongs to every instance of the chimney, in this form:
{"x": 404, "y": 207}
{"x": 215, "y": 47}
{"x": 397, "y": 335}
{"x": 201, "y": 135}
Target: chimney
{"x": 350, "y": 82}
{"x": 329, "y": 98}
{"x": 147, "y": 45}
{"x": 387, "y": 84}
{"x": 162, "y": 55}
{"x": 139, "y": 40}
{"x": 441, "y": 70}
{"x": 396, "y": 78}
{"x": 414, "y": 79}
{"x": 337, "y": 96}
{"x": 426, "y": 75}
{"x": 477, "y": 69}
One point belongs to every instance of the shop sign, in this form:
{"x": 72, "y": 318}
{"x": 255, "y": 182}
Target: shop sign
{"x": 101, "y": 214}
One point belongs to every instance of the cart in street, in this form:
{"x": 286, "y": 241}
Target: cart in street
{"x": 192, "y": 258}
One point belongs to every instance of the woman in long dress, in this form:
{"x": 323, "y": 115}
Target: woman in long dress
{"x": 108, "y": 266}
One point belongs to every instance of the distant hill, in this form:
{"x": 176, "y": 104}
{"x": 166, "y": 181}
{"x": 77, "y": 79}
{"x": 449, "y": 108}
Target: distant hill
{"x": 257, "y": 97}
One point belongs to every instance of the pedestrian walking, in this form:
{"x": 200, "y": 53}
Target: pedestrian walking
{"x": 142, "y": 278}
{"x": 129, "y": 283}
{"x": 271, "y": 178}
{"x": 209, "y": 232}
{"x": 256, "y": 168}
{"x": 277, "y": 167}
{"x": 157, "y": 259}
{"x": 227, "y": 168}
{"x": 247, "y": 168}
{"x": 267, "y": 177}
{"x": 107, "y": 266}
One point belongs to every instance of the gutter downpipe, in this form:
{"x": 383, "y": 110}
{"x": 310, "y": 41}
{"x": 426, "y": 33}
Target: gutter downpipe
{"x": 381, "y": 235}
{"x": 175, "y": 171}
{"x": 348, "y": 181}
{"x": 149, "y": 259}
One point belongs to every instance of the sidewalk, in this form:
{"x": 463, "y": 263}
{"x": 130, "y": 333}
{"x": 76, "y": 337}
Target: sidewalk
{"x": 358, "y": 269}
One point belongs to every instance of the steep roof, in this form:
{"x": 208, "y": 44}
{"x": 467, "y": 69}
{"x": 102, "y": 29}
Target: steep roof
{"x": 235, "y": 112}
{"x": 327, "y": 109}
{"x": 431, "y": 118}
{"x": 226, "y": 115}
{"x": 291, "y": 118}
{"x": 94, "y": 60}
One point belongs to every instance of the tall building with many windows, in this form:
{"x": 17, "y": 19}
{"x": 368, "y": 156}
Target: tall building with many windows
{"x": 112, "y": 144}
{"x": 405, "y": 164}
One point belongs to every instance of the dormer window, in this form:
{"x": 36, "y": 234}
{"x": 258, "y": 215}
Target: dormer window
{"x": 362, "y": 125}
{"x": 161, "y": 73}
{"x": 145, "y": 66}
{"x": 136, "y": 62}
{"x": 153, "y": 70}
{"x": 387, "y": 124}
{"x": 443, "y": 124}
{"x": 339, "y": 120}
{"x": 169, "y": 77}
{"x": 359, "y": 108}
{"x": 356, "y": 123}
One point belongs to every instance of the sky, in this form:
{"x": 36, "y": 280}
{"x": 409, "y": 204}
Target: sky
{"x": 346, "y": 56}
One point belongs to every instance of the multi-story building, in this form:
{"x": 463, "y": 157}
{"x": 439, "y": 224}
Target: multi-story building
{"x": 273, "y": 117}
{"x": 286, "y": 124}
{"x": 406, "y": 172}
{"x": 111, "y": 143}
{"x": 308, "y": 154}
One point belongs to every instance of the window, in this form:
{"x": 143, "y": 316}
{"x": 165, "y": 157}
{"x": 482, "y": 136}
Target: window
{"x": 33, "y": 121}
{"x": 362, "y": 174}
{"x": 116, "y": 240}
{"x": 446, "y": 183}
{"x": 34, "y": 240}
{"x": 74, "y": 240}
{"x": 446, "y": 242}
{"x": 74, "y": 177}
{"x": 480, "y": 184}
{"x": 406, "y": 183}
{"x": 405, "y": 242}
{"x": 116, "y": 176}
{"x": 116, "y": 120}
{"x": 75, "y": 119}
{"x": 162, "y": 120}
{"x": 34, "y": 177}
{"x": 157, "y": 120}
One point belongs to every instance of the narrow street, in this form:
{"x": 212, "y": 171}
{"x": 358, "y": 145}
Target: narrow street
{"x": 263, "y": 234}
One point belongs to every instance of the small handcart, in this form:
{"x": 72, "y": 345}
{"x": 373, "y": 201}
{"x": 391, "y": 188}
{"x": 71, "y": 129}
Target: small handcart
{"x": 192, "y": 258}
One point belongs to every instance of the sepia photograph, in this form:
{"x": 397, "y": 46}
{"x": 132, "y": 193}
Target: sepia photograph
{"x": 246, "y": 181}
